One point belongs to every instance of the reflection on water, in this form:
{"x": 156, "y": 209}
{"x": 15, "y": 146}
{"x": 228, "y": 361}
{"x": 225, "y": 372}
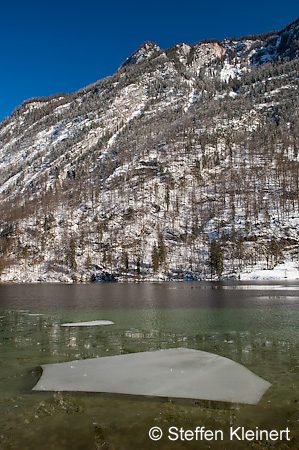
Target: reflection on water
{"x": 254, "y": 327}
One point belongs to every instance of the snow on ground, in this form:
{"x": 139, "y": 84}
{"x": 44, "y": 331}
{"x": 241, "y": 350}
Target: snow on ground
{"x": 284, "y": 271}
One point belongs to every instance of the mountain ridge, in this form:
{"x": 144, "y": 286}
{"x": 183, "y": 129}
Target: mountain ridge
{"x": 260, "y": 36}
{"x": 152, "y": 47}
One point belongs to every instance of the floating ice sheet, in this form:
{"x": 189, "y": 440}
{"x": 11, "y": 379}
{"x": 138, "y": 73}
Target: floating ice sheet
{"x": 87, "y": 324}
{"x": 181, "y": 373}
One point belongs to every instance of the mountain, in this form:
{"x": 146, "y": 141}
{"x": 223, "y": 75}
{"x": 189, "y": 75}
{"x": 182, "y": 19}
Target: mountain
{"x": 183, "y": 164}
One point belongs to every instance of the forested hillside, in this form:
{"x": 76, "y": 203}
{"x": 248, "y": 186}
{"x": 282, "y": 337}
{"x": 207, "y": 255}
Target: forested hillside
{"x": 183, "y": 164}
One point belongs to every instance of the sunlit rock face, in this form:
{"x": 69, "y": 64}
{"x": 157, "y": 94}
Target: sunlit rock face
{"x": 181, "y": 373}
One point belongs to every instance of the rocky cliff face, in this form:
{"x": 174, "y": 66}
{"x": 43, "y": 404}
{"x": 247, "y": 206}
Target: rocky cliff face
{"x": 183, "y": 163}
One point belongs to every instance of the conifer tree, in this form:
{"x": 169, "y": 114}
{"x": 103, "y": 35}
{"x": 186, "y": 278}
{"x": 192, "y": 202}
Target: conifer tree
{"x": 155, "y": 258}
{"x": 216, "y": 258}
{"x": 161, "y": 248}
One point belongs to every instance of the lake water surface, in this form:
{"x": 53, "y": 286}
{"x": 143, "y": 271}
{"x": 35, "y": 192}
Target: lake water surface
{"x": 254, "y": 324}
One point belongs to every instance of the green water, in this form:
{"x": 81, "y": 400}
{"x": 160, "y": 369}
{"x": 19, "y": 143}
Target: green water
{"x": 256, "y": 326}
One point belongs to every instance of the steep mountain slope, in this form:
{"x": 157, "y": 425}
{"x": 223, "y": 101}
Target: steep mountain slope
{"x": 183, "y": 163}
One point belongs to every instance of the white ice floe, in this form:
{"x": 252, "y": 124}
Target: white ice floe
{"x": 177, "y": 372}
{"x": 87, "y": 324}
{"x": 34, "y": 314}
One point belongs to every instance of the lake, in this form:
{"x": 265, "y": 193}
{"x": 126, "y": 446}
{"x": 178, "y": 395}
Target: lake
{"x": 252, "y": 323}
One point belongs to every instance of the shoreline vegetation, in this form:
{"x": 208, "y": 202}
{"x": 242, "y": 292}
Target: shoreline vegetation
{"x": 287, "y": 271}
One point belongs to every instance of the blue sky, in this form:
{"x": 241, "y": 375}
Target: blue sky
{"x": 61, "y": 46}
